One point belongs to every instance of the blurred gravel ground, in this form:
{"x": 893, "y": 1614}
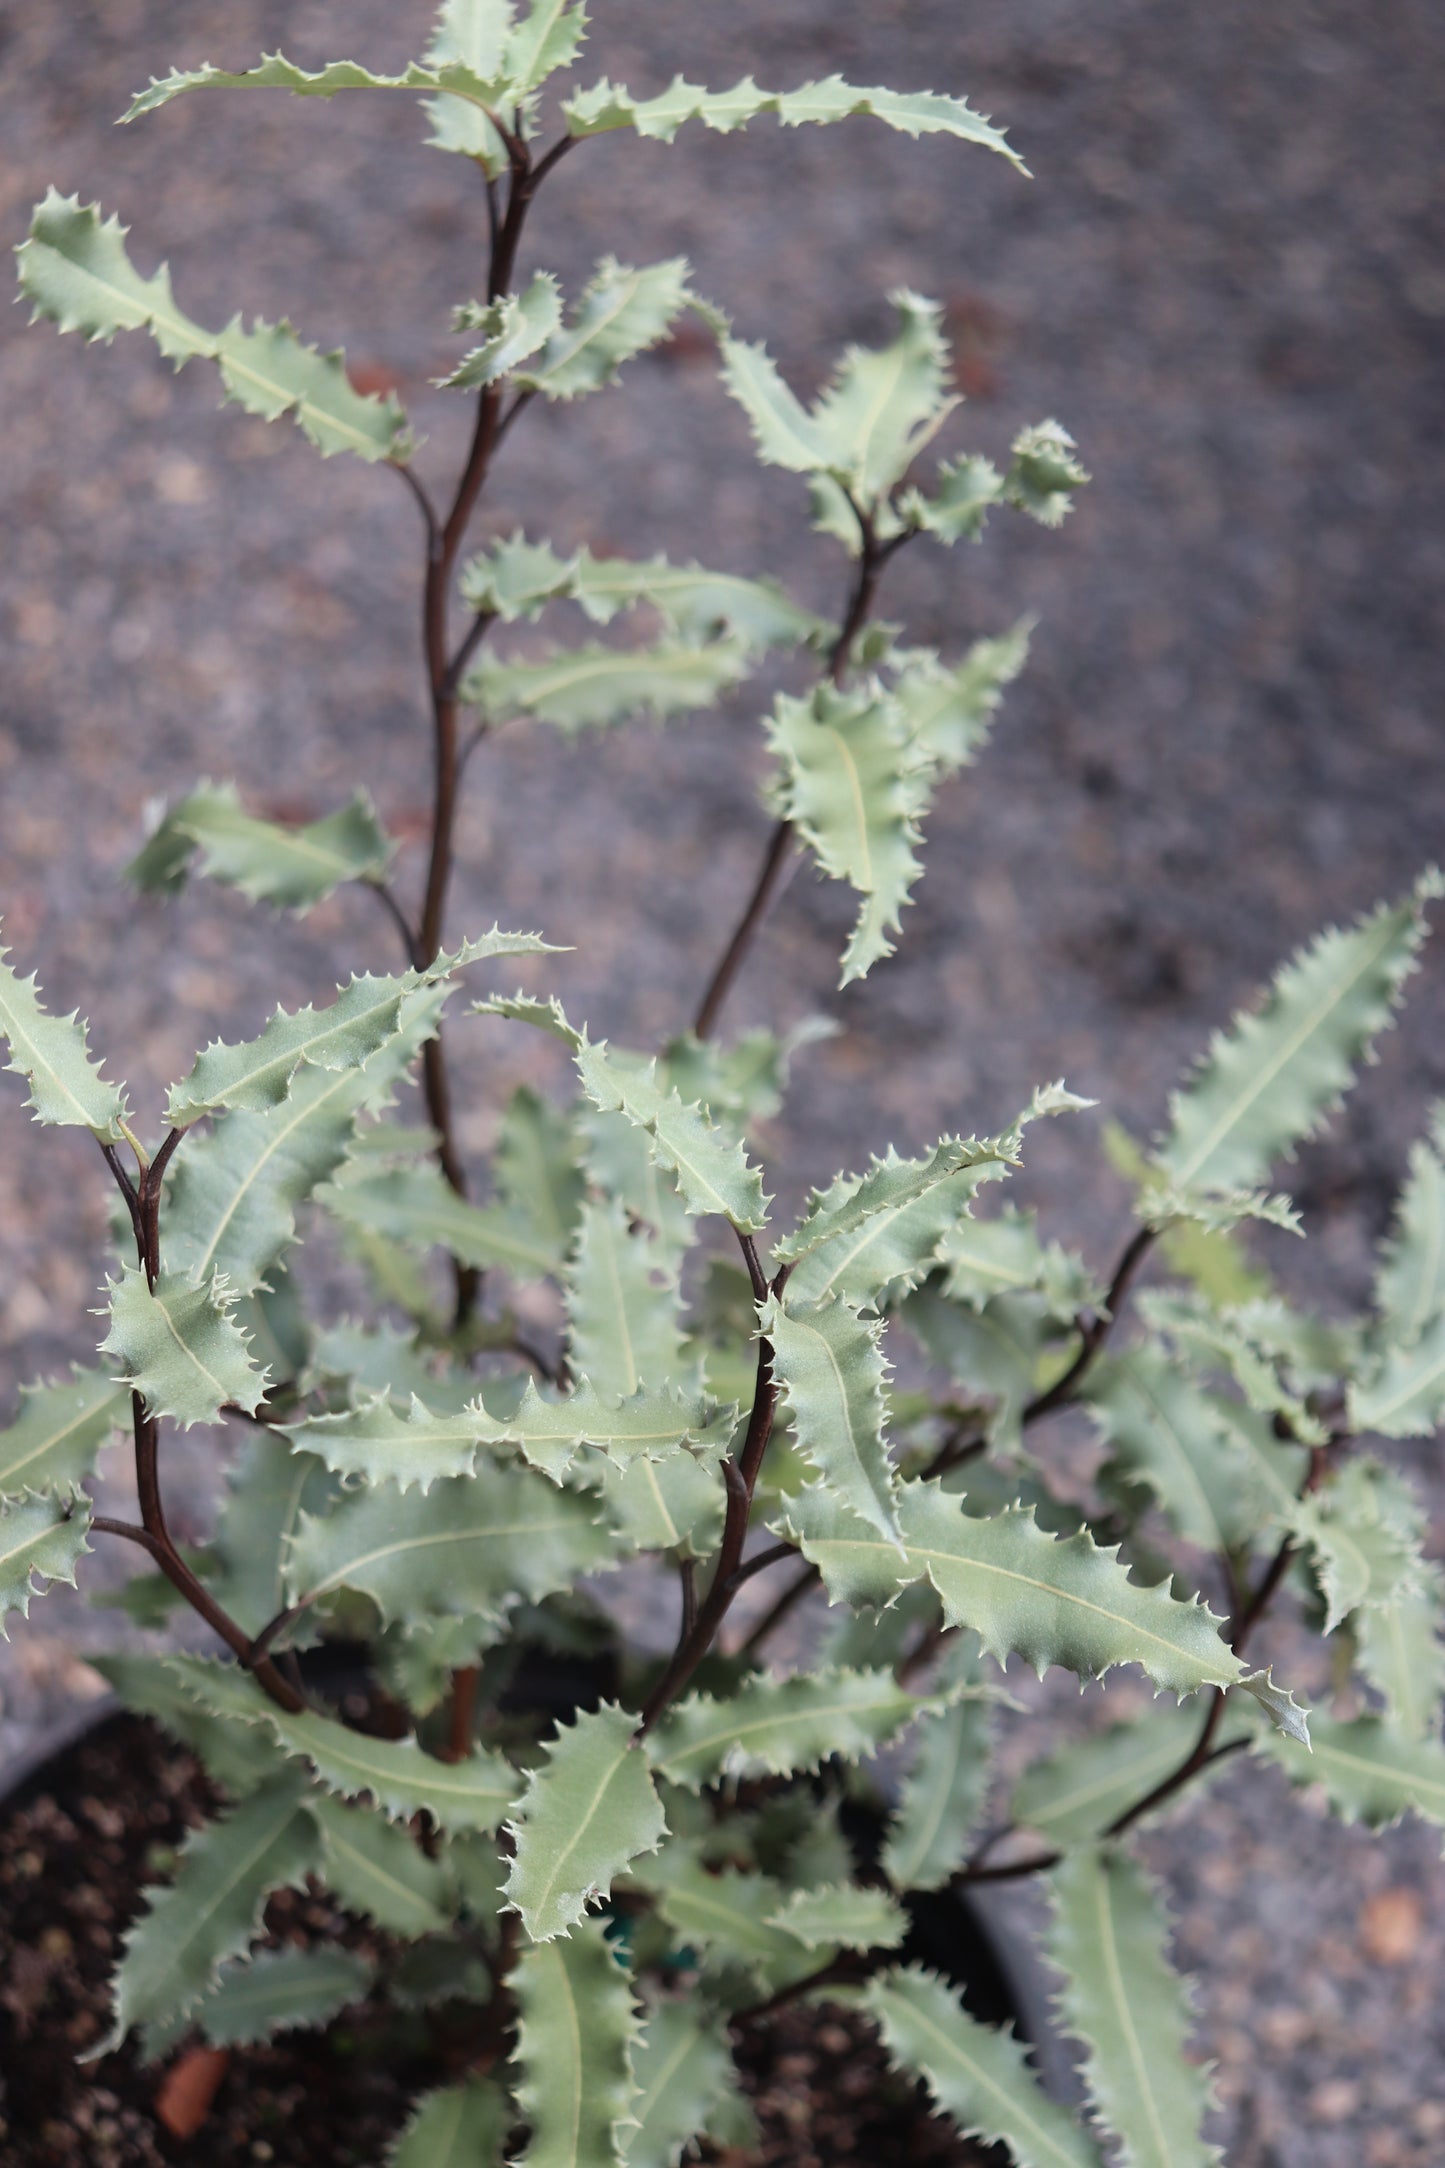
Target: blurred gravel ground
{"x": 1228, "y": 280}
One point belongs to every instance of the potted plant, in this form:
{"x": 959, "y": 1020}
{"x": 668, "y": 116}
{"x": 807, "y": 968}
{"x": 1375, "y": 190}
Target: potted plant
{"x": 598, "y": 1873}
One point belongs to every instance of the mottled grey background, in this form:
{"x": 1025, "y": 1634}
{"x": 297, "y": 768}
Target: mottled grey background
{"x": 1227, "y": 279}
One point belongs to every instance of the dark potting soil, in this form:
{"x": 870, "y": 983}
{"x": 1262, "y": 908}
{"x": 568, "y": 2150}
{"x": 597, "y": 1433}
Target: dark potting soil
{"x": 74, "y": 1855}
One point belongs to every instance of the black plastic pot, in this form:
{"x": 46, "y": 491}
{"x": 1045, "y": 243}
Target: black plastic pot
{"x": 969, "y": 1938}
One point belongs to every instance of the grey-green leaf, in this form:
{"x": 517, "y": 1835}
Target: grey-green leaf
{"x": 179, "y": 1347}
{"x": 53, "y": 1443}
{"x": 457, "y": 2126}
{"x": 281, "y": 1991}
{"x": 592, "y": 687}
{"x": 575, "y": 2036}
{"x": 1123, "y": 1999}
{"x": 621, "y": 313}
{"x": 465, "y": 1548}
{"x": 683, "y": 2066}
{"x": 588, "y": 1810}
{"x": 292, "y": 867}
{"x": 1051, "y": 1600}
{"x": 777, "y": 1727}
{"x": 830, "y": 1367}
{"x": 941, "y": 1797}
{"x": 921, "y": 112}
{"x": 212, "y": 1909}
{"x": 977, "y": 2074}
{"x": 1402, "y": 1391}
{"x": 66, "y": 1087}
{"x": 1371, "y": 1772}
{"x": 402, "y": 1780}
{"x": 1410, "y": 1282}
{"x": 41, "y": 1540}
{"x": 74, "y": 269}
{"x": 710, "y": 1166}
{"x": 1268, "y": 1082}
{"x": 377, "y": 1869}
{"x": 623, "y": 1301}
{"x": 1072, "y": 1795}
{"x": 855, "y": 785}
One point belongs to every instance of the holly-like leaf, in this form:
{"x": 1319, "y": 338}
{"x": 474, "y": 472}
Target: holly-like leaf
{"x": 915, "y": 113}
{"x": 394, "y": 1773}
{"x": 1071, "y": 1796}
{"x": 512, "y": 329}
{"x": 547, "y": 38}
{"x": 517, "y": 579}
{"x": 777, "y": 1727}
{"x": 535, "y": 1167}
{"x": 1402, "y": 1392}
{"x": 1410, "y": 1282}
{"x": 730, "y": 1915}
{"x": 367, "y": 1014}
{"x": 698, "y": 604}
{"x": 232, "y": 1196}
{"x": 1043, "y": 474}
{"x": 53, "y": 1444}
{"x": 587, "y": 1811}
{"x": 831, "y": 1370}
{"x": 1051, "y": 1600}
{"x": 417, "y": 1207}
{"x": 290, "y": 867}
{"x": 1004, "y": 1255}
{"x": 472, "y": 33}
{"x": 267, "y": 1490}
{"x": 1268, "y": 1082}
{"x": 1399, "y": 1649}
{"x": 845, "y": 1916}
{"x": 855, "y": 786}
{"x": 683, "y": 2066}
{"x": 592, "y": 687}
{"x": 948, "y": 708}
{"x": 41, "y": 1540}
{"x": 1371, "y": 1773}
{"x": 623, "y": 1327}
{"x": 941, "y": 1797}
{"x": 664, "y": 1505}
{"x": 711, "y": 1169}
{"x": 1364, "y": 1529}
{"x": 576, "y": 2029}
{"x": 377, "y": 1869}
{"x": 212, "y": 1909}
{"x": 275, "y": 72}
{"x": 1167, "y": 1436}
{"x": 869, "y": 1236}
{"x": 280, "y": 1991}
{"x": 423, "y": 1447}
{"x": 977, "y": 2074}
{"x": 457, "y": 2126}
{"x": 67, "y": 1089}
{"x": 885, "y": 404}
{"x": 956, "y": 508}
{"x": 465, "y": 1548}
{"x": 179, "y": 1347}
{"x": 239, "y": 1757}
{"x": 74, "y": 269}
{"x": 1122, "y": 1998}
{"x": 621, "y": 312}
{"x": 994, "y": 1350}
{"x": 1240, "y": 1343}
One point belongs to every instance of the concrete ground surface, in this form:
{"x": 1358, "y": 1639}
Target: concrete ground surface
{"x": 1227, "y": 279}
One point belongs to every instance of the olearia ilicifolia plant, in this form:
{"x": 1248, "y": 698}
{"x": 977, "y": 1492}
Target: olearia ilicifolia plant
{"x": 621, "y": 1894}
